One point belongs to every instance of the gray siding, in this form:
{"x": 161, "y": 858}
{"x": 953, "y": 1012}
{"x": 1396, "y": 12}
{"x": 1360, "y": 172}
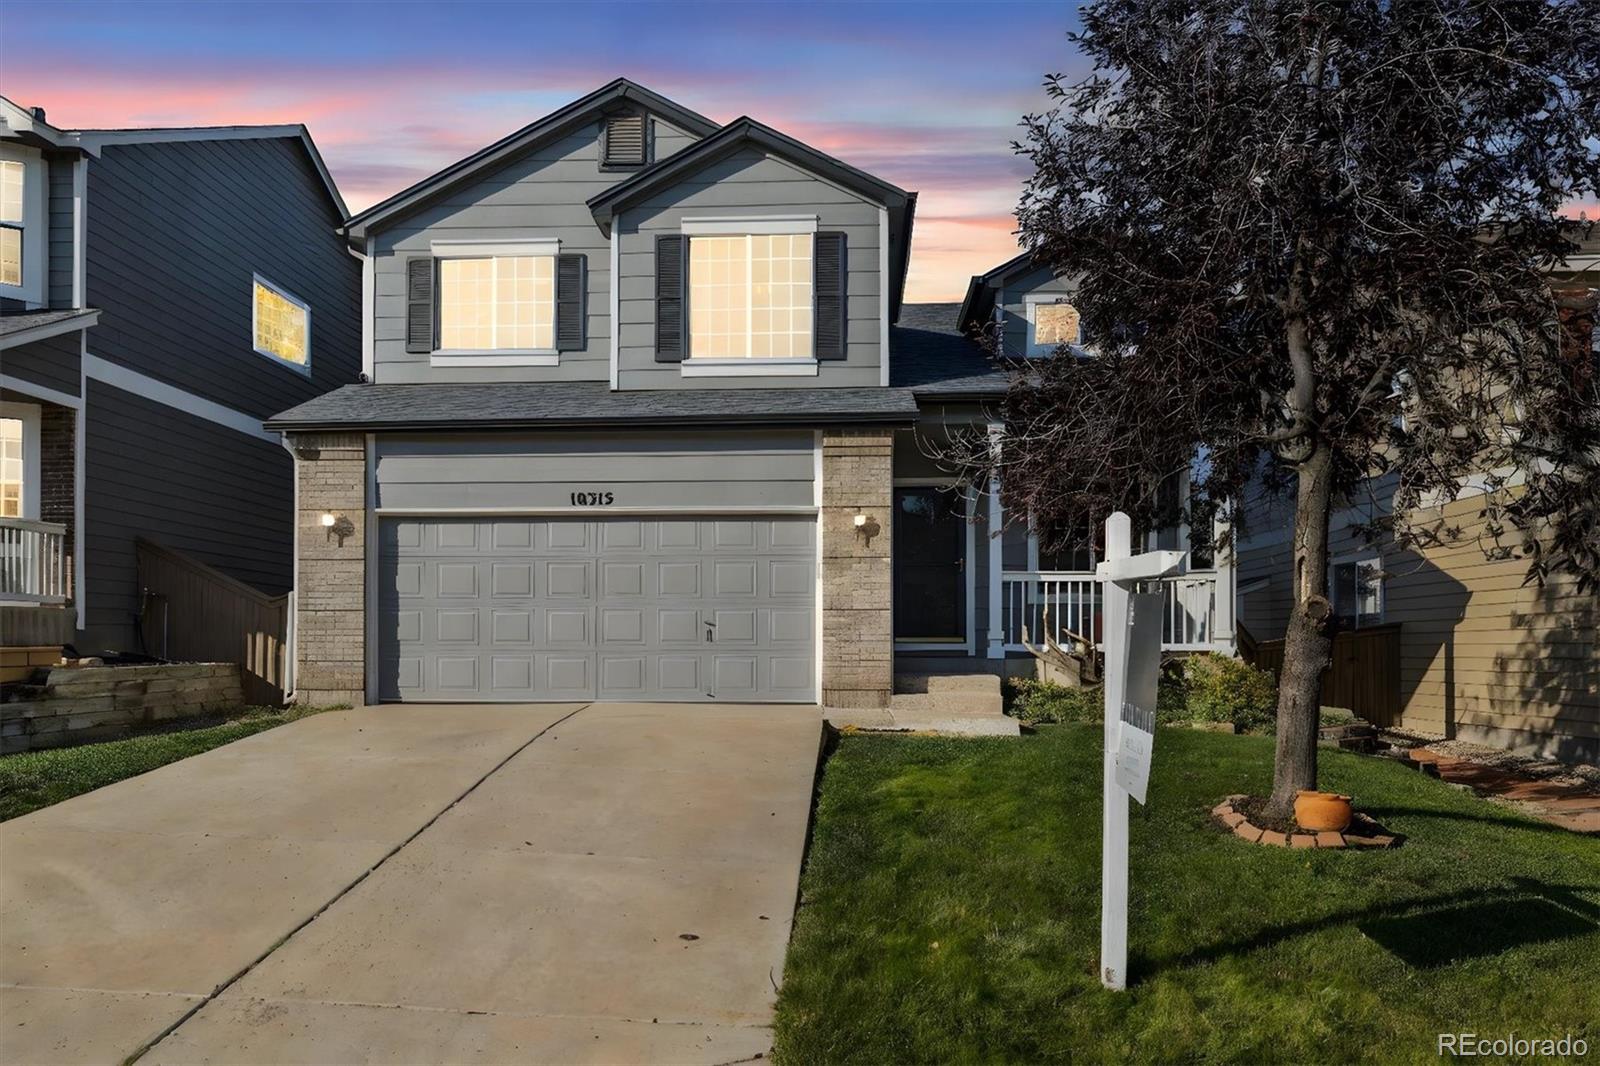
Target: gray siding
{"x": 59, "y": 252}
{"x": 194, "y": 486}
{"x": 665, "y": 471}
{"x": 1013, "y": 305}
{"x": 176, "y": 231}
{"x": 541, "y": 195}
{"x": 748, "y": 182}
{"x": 52, "y": 362}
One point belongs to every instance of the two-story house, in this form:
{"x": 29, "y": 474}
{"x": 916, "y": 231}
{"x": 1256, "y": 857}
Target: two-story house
{"x": 161, "y": 292}
{"x": 646, "y": 419}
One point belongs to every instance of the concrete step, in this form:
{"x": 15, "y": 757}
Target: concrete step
{"x": 940, "y": 683}
{"x": 947, "y": 703}
{"x": 918, "y": 720}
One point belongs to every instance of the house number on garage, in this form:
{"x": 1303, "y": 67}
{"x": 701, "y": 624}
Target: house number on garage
{"x": 593, "y": 499}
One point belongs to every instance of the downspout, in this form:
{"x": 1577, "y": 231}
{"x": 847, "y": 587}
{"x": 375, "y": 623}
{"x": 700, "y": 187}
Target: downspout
{"x": 291, "y": 627}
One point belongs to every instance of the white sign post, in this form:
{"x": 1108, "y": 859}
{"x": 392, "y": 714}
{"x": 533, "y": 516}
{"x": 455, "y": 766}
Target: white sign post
{"x": 1131, "y": 630}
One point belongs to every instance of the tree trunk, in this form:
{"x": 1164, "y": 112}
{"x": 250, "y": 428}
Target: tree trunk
{"x": 1307, "y": 645}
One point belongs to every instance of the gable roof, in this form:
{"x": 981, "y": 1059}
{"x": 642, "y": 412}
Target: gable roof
{"x": 30, "y": 127}
{"x": 979, "y": 302}
{"x": 558, "y": 122}
{"x": 745, "y": 131}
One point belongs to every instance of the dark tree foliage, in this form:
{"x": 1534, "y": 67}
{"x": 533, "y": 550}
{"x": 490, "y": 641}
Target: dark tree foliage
{"x": 1312, "y": 241}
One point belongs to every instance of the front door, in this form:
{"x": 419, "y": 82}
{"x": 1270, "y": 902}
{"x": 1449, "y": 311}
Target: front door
{"x": 930, "y": 602}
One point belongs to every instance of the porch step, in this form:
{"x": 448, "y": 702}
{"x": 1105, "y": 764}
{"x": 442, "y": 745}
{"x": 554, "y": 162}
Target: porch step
{"x": 952, "y": 704}
{"x": 941, "y": 683}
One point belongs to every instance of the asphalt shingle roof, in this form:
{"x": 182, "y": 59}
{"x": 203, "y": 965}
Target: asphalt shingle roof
{"x": 932, "y": 357}
{"x": 586, "y": 403}
{"x": 18, "y": 321}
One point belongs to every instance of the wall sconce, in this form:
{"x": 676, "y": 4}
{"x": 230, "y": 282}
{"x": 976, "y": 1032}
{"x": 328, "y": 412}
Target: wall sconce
{"x": 866, "y": 528}
{"x": 339, "y": 526}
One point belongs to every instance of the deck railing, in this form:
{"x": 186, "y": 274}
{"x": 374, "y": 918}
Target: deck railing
{"x": 33, "y": 562}
{"x": 1052, "y": 604}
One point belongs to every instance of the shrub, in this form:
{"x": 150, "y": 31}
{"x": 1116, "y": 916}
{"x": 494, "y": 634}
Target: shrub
{"x": 1047, "y": 703}
{"x": 1224, "y": 689}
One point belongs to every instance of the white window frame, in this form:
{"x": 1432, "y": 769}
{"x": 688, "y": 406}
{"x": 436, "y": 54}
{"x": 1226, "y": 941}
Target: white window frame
{"x": 1358, "y": 558}
{"x": 28, "y": 414}
{"x": 303, "y": 369}
{"x": 749, "y": 366}
{"x": 495, "y": 249}
{"x": 1030, "y": 304}
{"x": 35, "y": 199}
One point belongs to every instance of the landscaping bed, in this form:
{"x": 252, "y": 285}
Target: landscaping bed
{"x": 35, "y": 779}
{"x": 950, "y": 911}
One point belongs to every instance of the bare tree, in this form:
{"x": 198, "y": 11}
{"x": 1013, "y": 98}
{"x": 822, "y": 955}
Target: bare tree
{"x": 1310, "y": 242}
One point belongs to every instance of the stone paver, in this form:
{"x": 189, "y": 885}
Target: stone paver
{"x": 1568, "y": 806}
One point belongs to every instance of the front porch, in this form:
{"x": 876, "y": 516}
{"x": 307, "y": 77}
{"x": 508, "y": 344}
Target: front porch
{"x": 36, "y": 608}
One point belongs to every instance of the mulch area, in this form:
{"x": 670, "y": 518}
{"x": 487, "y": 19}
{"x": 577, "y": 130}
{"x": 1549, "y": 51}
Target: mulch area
{"x": 1243, "y": 816}
{"x": 1562, "y": 803}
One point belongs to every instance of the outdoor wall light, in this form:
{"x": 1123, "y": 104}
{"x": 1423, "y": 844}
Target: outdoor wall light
{"x": 337, "y": 526}
{"x": 866, "y": 528}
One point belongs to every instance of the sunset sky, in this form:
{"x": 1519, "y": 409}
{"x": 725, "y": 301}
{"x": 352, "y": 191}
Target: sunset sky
{"x": 926, "y": 95}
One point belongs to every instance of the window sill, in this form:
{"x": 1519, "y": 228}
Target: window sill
{"x": 753, "y": 367}
{"x": 495, "y": 358}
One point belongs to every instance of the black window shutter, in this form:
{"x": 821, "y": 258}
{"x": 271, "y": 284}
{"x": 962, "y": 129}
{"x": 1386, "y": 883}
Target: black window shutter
{"x": 828, "y": 295}
{"x": 419, "y": 305}
{"x": 672, "y": 323}
{"x": 569, "y": 302}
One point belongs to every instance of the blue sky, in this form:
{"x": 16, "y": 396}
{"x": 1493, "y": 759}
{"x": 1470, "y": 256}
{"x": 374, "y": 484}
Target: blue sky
{"x": 926, "y": 95}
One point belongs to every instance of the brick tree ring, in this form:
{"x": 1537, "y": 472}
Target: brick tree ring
{"x": 1362, "y": 832}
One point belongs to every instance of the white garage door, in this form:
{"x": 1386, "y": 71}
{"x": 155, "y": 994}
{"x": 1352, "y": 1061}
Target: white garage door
{"x": 517, "y": 609}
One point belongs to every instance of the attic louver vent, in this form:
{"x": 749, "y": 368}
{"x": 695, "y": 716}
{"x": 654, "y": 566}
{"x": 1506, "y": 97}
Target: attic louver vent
{"x": 625, "y": 140}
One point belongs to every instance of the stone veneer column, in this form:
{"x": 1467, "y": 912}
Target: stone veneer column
{"x": 857, "y": 620}
{"x": 331, "y": 618}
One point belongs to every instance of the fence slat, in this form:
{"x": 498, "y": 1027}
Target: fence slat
{"x": 1363, "y": 676}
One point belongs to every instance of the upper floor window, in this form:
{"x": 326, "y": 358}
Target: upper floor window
{"x": 750, "y": 296}
{"x": 281, "y": 323}
{"x": 1052, "y": 322}
{"x": 13, "y": 179}
{"x": 22, "y": 223}
{"x": 497, "y": 303}
{"x": 624, "y": 143}
{"x": 1358, "y": 590}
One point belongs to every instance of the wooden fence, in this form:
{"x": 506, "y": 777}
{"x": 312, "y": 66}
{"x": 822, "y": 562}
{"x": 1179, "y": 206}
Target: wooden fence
{"x": 1364, "y": 676}
{"x": 196, "y": 613}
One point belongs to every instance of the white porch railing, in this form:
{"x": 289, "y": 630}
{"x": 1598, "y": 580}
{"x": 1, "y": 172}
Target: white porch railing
{"x": 33, "y": 562}
{"x": 1053, "y": 603}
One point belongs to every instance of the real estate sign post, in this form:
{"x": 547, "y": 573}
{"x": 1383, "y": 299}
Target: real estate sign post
{"x": 1132, "y": 633}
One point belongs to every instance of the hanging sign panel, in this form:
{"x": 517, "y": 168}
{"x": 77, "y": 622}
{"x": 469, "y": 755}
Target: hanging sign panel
{"x": 1137, "y": 729}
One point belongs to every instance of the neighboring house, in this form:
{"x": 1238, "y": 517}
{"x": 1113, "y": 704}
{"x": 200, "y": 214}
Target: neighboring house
{"x": 161, "y": 292}
{"x": 647, "y": 420}
{"x": 1459, "y": 643}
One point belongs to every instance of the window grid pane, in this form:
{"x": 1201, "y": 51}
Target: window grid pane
{"x": 497, "y": 303}
{"x": 1055, "y": 324}
{"x": 12, "y": 178}
{"x": 10, "y": 255}
{"x": 280, "y": 326}
{"x": 10, "y": 468}
{"x": 750, "y": 296}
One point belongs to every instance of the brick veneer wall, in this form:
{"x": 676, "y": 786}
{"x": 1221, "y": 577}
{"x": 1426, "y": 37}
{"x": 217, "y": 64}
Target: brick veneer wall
{"x": 57, "y": 480}
{"x": 330, "y": 619}
{"x": 75, "y": 705}
{"x": 857, "y": 627}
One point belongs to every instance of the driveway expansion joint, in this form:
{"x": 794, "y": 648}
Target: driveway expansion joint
{"x": 140, "y": 1052}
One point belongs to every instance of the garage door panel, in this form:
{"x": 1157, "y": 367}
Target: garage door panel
{"x": 617, "y": 609}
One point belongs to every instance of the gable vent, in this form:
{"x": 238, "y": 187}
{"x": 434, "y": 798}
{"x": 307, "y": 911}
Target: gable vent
{"x": 624, "y": 145}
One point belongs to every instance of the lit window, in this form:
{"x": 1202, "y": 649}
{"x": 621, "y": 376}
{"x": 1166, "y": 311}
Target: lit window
{"x": 750, "y": 297}
{"x": 498, "y": 303}
{"x": 1358, "y": 591}
{"x": 282, "y": 325}
{"x": 12, "y": 180}
{"x": 1050, "y": 325}
{"x": 10, "y": 468}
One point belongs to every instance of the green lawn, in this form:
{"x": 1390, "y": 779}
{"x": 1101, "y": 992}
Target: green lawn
{"x": 35, "y": 779}
{"x": 950, "y": 912}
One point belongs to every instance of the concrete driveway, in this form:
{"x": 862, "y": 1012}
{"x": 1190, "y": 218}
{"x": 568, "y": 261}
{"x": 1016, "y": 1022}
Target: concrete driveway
{"x": 546, "y": 882}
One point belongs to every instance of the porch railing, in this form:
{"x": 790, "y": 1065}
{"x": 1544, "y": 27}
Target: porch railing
{"x": 33, "y": 562}
{"x": 1052, "y": 604}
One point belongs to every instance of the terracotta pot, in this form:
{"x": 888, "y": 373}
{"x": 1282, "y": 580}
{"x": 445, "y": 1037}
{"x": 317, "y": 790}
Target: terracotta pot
{"x": 1322, "y": 811}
